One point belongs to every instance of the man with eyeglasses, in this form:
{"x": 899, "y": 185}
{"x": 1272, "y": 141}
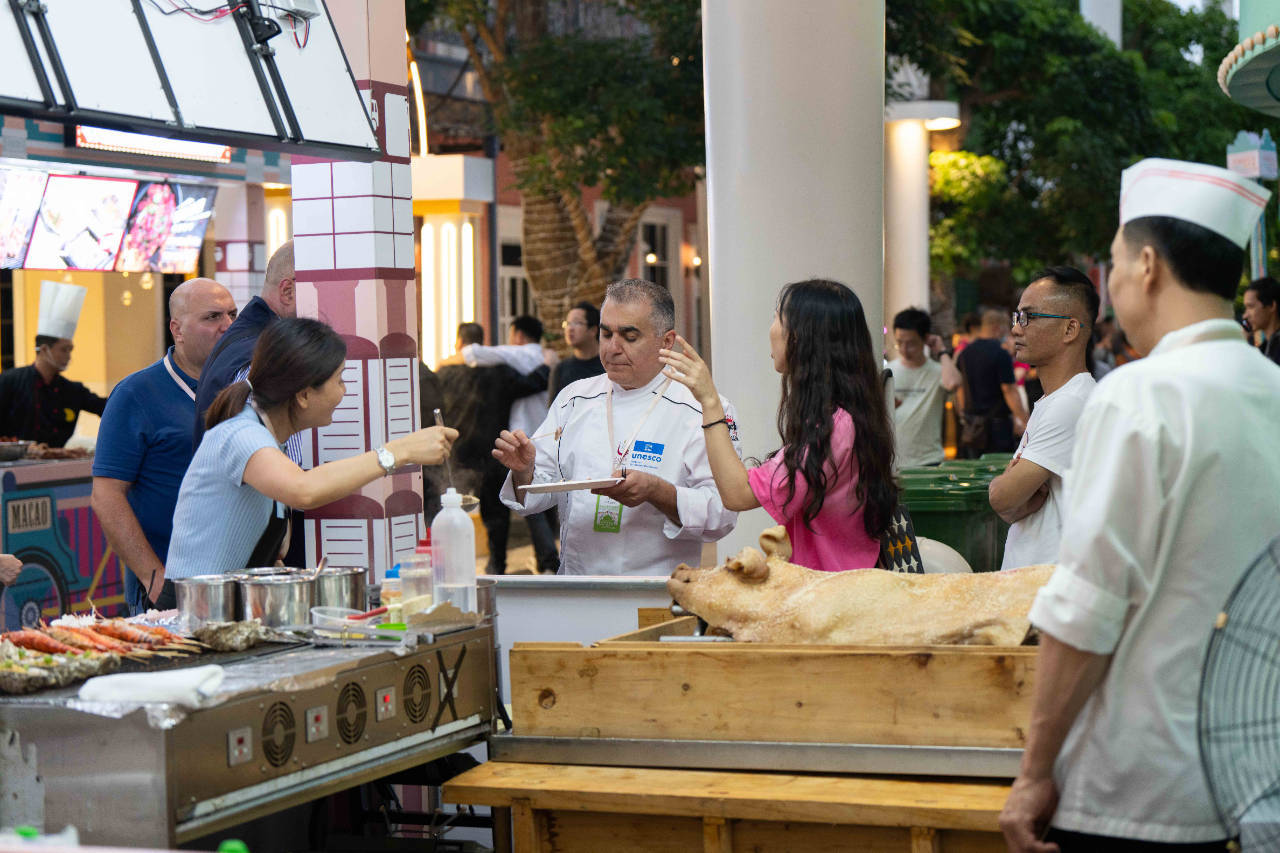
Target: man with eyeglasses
{"x": 1170, "y": 498}
{"x": 1052, "y": 331}
{"x": 582, "y": 332}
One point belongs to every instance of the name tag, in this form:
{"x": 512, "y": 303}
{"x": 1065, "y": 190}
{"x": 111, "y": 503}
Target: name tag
{"x": 646, "y": 455}
{"x": 608, "y": 515}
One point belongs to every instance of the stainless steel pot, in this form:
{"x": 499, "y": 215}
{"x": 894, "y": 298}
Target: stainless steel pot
{"x": 259, "y": 572}
{"x": 339, "y": 587}
{"x": 278, "y": 600}
{"x": 206, "y": 598}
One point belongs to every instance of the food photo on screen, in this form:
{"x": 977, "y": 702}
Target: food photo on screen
{"x": 20, "y": 194}
{"x": 81, "y": 223}
{"x": 166, "y": 228}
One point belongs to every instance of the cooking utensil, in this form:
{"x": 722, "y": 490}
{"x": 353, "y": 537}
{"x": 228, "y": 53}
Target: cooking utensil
{"x": 278, "y": 600}
{"x": 448, "y": 469}
{"x": 319, "y": 567}
{"x": 206, "y": 598}
{"x": 342, "y": 587}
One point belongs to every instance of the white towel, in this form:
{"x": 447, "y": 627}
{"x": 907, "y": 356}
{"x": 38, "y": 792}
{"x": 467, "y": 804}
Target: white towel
{"x": 186, "y": 687}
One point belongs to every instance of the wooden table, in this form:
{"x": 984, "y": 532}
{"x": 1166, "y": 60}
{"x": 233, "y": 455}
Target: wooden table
{"x": 579, "y": 809}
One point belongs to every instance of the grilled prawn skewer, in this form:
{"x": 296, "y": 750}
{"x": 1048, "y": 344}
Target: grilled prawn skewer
{"x": 38, "y": 642}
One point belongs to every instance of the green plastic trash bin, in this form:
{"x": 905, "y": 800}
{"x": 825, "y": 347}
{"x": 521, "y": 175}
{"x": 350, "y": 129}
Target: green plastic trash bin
{"x": 957, "y": 514}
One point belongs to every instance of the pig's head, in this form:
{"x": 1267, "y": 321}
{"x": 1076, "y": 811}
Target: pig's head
{"x": 747, "y": 588}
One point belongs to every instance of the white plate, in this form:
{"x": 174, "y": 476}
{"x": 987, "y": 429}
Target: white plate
{"x": 569, "y": 485}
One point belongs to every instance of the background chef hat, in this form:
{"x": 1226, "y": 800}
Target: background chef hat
{"x": 60, "y": 306}
{"x": 1208, "y": 196}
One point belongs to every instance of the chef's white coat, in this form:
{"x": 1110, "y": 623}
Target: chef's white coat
{"x": 670, "y": 444}
{"x": 1174, "y": 489}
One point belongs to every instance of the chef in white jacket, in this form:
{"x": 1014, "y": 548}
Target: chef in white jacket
{"x": 633, "y": 423}
{"x": 1172, "y": 493}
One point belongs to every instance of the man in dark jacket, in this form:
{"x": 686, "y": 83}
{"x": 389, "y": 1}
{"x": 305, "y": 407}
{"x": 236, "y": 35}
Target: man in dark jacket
{"x": 230, "y": 358}
{"x": 481, "y": 398}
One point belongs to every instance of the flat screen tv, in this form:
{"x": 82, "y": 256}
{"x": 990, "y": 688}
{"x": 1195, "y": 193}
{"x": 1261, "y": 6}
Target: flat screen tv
{"x": 20, "y": 194}
{"x": 166, "y": 228}
{"x": 81, "y": 223}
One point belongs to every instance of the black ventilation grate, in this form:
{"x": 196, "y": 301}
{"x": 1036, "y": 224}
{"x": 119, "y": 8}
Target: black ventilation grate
{"x": 352, "y": 712}
{"x": 278, "y": 734}
{"x": 417, "y": 694}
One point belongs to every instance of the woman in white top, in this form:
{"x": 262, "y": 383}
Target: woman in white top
{"x": 231, "y": 507}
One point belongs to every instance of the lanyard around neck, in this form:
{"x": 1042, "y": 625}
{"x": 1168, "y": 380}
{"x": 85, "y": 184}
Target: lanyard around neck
{"x": 620, "y": 453}
{"x": 186, "y": 389}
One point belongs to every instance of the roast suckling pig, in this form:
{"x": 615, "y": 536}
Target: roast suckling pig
{"x": 755, "y": 598}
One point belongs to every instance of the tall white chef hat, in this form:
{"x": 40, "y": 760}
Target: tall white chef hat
{"x": 60, "y": 306}
{"x": 1208, "y": 196}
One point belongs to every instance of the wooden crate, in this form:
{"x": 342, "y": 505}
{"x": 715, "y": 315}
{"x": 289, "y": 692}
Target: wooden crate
{"x": 635, "y": 686}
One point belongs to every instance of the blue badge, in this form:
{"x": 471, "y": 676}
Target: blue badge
{"x": 646, "y": 454}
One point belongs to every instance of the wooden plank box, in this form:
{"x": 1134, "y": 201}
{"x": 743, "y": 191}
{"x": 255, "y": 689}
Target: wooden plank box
{"x": 636, "y": 686}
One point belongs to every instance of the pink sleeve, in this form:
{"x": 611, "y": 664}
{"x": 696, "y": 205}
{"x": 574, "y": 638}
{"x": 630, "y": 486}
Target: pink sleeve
{"x": 769, "y": 481}
{"x": 769, "y": 484}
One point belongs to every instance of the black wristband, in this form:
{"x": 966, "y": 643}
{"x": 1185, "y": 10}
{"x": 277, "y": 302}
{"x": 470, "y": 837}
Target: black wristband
{"x": 713, "y": 423}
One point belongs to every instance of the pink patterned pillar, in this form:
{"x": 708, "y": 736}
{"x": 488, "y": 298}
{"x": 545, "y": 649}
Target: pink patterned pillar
{"x": 353, "y": 248}
{"x": 240, "y": 254}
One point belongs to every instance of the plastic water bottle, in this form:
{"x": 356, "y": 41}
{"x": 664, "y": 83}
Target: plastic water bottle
{"x": 453, "y": 554}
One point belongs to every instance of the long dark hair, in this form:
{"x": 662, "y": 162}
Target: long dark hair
{"x": 831, "y": 365}
{"x": 292, "y": 354}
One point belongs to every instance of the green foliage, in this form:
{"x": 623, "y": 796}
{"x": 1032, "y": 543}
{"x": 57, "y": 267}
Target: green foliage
{"x": 1065, "y": 111}
{"x": 622, "y": 111}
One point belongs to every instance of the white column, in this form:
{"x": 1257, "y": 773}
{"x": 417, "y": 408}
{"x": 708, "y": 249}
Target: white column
{"x": 795, "y": 146}
{"x": 906, "y": 217}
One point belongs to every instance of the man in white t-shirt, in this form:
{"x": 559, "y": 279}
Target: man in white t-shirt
{"x": 920, "y": 388}
{"x": 1052, "y": 331}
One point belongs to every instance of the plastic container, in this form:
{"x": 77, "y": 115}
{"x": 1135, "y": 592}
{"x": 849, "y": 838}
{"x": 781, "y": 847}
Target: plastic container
{"x": 957, "y": 514}
{"x": 390, "y": 594}
{"x": 453, "y": 554}
{"x": 417, "y": 580}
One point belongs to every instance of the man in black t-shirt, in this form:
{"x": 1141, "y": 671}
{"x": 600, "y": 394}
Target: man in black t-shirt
{"x": 582, "y": 331}
{"x": 992, "y": 412}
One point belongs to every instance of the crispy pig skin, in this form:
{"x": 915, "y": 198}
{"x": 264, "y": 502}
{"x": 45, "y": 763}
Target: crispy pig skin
{"x": 769, "y": 600}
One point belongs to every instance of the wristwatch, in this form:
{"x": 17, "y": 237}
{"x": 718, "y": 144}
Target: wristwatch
{"x": 386, "y": 459}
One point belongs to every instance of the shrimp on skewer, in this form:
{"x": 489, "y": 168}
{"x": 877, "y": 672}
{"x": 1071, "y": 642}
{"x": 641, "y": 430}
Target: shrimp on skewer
{"x": 123, "y": 631}
{"x": 106, "y": 644}
{"x": 167, "y": 637}
{"x": 73, "y": 638}
{"x": 37, "y": 642}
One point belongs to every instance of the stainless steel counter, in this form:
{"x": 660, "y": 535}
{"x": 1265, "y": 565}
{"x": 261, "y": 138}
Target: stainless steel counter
{"x": 285, "y": 728}
{"x": 775, "y": 756}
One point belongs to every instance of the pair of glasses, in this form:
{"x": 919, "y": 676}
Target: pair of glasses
{"x": 1022, "y": 318}
{"x": 566, "y": 324}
